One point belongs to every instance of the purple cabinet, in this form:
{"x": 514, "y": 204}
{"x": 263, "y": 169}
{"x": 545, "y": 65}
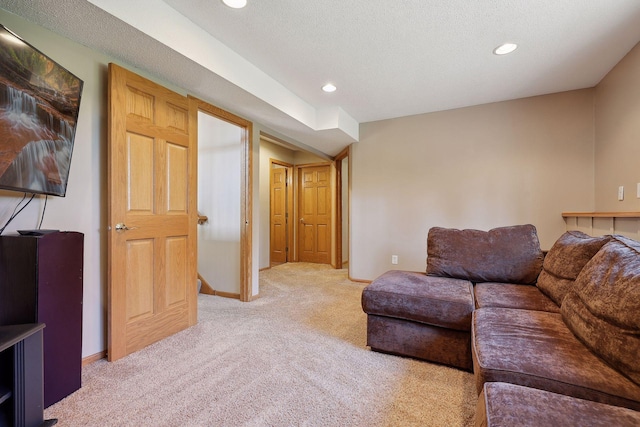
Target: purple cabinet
{"x": 41, "y": 282}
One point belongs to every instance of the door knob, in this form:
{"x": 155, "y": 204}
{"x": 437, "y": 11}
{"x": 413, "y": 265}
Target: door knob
{"x": 121, "y": 226}
{"x": 301, "y": 220}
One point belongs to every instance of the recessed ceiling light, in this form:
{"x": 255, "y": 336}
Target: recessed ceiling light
{"x": 329, "y": 88}
{"x": 505, "y": 48}
{"x": 236, "y": 4}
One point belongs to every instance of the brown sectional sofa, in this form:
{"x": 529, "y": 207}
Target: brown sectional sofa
{"x": 567, "y": 323}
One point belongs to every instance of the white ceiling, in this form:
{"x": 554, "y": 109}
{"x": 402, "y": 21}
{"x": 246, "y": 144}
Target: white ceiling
{"x": 268, "y": 61}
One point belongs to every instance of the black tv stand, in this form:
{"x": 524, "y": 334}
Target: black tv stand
{"x": 21, "y": 379}
{"x": 36, "y": 232}
{"x": 41, "y": 282}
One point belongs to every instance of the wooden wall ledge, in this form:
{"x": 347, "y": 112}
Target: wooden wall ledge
{"x": 602, "y": 214}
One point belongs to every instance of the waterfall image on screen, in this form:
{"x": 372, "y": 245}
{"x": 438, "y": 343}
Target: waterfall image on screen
{"x": 39, "y": 104}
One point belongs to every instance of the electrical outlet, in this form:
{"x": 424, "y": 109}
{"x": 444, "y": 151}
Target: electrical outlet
{"x": 394, "y": 259}
{"x": 621, "y": 192}
{"x": 638, "y": 190}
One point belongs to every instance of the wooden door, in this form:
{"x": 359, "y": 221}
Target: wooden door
{"x": 314, "y": 211}
{"x": 279, "y": 214}
{"x": 152, "y": 214}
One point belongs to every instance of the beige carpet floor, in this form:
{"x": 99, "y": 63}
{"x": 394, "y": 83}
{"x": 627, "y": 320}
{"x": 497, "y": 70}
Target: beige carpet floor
{"x": 296, "y": 356}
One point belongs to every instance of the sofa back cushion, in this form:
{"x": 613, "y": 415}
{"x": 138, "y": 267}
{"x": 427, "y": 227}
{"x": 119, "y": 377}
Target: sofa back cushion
{"x": 505, "y": 254}
{"x": 603, "y": 308}
{"x": 565, "y": 261}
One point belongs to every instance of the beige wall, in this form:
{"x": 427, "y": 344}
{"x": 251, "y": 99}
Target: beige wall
{"x": 83, "y": 208}
{"x": 617, "y": 155}
{"x": 306, "y": 158}
{"x": 522, "y": 161}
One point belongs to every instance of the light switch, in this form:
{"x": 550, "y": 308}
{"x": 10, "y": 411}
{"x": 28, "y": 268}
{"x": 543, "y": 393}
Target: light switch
{"x": 638, "y": 190}
{"x": 621, "y": 192}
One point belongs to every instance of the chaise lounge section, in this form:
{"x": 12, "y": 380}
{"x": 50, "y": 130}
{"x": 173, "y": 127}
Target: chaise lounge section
{"x": 426, "y": 317}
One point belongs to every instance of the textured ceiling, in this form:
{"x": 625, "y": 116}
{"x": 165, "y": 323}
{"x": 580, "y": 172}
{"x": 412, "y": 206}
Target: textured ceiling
{"x": 397, "y": 58}
{"x": 268, "y": 61}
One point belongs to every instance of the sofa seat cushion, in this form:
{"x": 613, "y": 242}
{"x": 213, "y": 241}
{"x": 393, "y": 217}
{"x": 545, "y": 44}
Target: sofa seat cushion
{"x": 437, "y": 301}
{"x": 536, "y": 349}
{"x": 505, "y": 254}
{"x": 565, "y": 261}
{"x": 525, "y": 297}
{"x": 603, "y": 309}
{"x": 503, "y": 404}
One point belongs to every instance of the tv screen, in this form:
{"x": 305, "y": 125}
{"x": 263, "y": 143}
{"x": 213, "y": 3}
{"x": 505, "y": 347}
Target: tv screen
{"x": 39, "y": 104}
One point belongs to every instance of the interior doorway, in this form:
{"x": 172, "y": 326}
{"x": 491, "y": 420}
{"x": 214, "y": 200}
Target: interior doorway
{"x": 342, "y": 209}
{"x": 224, "y": 188}
{"x": 275, "y": 150}
{"x": 280, "y": 212}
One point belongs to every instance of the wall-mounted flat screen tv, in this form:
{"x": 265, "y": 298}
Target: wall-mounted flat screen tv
{"x": 39, "y": 104}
